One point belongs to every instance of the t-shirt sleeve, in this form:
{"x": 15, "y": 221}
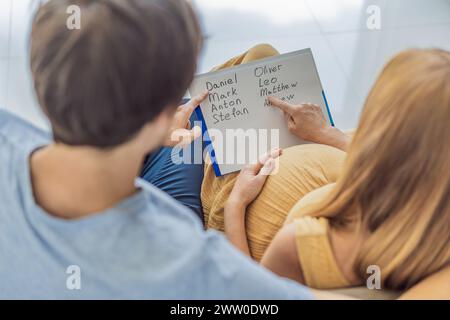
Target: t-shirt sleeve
{"x": 243, "y": 278}
{"x": 19, "y": 133}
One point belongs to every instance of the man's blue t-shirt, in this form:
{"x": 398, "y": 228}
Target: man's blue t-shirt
{"x": 147, "y": 247}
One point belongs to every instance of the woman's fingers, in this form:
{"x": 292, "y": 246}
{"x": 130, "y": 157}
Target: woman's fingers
{"x": 271, "y": 155}
{"x": 291, "y": 124}
{"x": 268, "y": 168}
{"x": 265, "y": 171}
{"x": 283, "y": 105}
{"x": 287, "y": 116}
{"x": 274, "y": 153}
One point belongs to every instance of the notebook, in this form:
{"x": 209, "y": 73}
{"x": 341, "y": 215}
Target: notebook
{"x": 239, "y": 124}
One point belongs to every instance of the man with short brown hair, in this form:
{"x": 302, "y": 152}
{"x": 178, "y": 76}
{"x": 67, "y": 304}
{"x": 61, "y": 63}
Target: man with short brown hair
{"x": 74, "y": 222}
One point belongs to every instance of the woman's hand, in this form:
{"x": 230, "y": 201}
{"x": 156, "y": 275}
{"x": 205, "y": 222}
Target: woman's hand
{"x": 180, "y": 132}
{"x": 307, "y": 122}
{"x": 248, "y": 185}
{"x": 251, "y": 179}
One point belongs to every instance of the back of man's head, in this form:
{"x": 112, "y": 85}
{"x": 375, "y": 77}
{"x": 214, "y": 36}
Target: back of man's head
{"x": 129, "y": 61}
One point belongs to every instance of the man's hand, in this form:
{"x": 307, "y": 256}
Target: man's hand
{"x": 180, "y": 132}
{"x": 307, "y": 122}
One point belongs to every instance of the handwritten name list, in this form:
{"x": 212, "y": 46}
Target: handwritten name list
{"x": 225, "y": 99}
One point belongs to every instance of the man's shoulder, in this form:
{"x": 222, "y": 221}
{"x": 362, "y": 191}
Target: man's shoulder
{"x": 18, "y": 133}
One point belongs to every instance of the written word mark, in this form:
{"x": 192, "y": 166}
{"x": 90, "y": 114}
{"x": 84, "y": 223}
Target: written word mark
{"x": 265, "y": 70}
{"x": 214, "y": 96}
{"x": 225, "y": 104}
{"x": 280, "y": 87}
{"x": 231, "y": 115}
{"x": 214, "y": 85}
{"x": 287, "y": 98}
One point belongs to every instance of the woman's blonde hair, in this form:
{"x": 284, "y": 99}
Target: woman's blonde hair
{"x": 396, "y": 181}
